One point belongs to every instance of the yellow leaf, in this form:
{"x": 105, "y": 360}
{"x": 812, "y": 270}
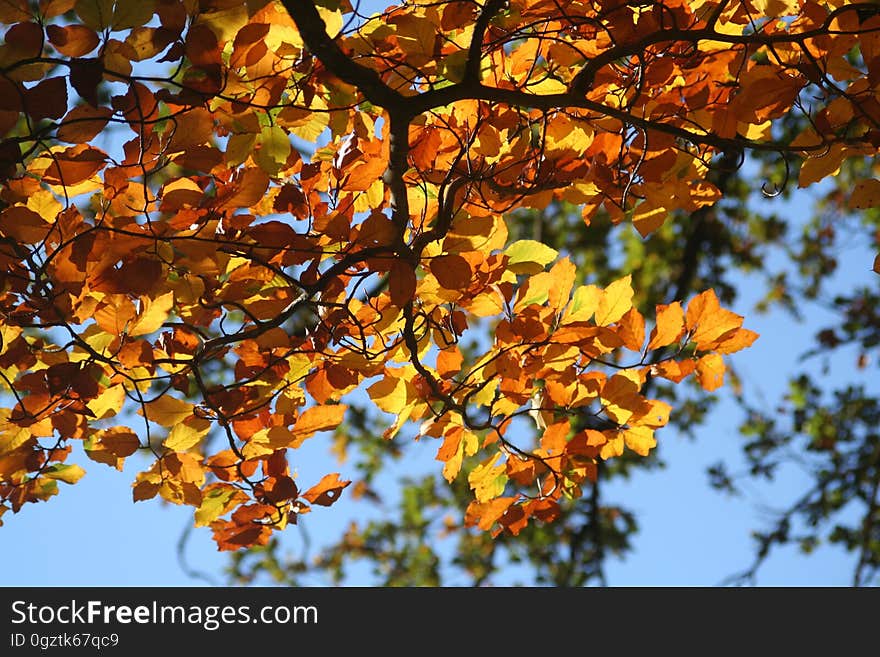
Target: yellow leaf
{"x": 615, "y": 301}
{"x": 562, "y": 277}
{"x": 108, "y": 403}
{"x": 13, "y": 437}
{"x": 535, "y": 290}
{"x": 583, "y": 304}
{"x": 154, "y": 312}
{"x": 187, "y": 434}
{"x": 777, "y": 8}
{"x": 639, "y": 439}
{"x": 273, "y": 151}
{"x": 655, "y": 414}
{"x": 167, "y": 411}
{"x": 710, "y": 372}
{"x": 390, "y": 394}
{"x": 69, "y": 474}
{"x": 488, "y": 480}
{"x": 217, "y": 499}
{"x": 612, "y": 448}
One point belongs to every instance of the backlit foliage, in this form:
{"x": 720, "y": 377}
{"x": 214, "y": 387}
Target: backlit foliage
{"x": 229, "y": 218}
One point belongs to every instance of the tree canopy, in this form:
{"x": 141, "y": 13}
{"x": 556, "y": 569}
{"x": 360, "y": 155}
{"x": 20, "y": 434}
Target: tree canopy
{"x": 229, "y": 226}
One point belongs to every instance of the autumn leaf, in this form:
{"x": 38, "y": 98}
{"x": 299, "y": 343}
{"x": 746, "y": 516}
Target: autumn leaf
{"x": 326, "y": 491}
{"x": 153, "y": 313}
{"x": 669, "y": 327}
{"x": 452, "y": 271}
{"x": 710, "y": 372}
{"x": 529, "y": 256}
{"x": 238, "y": 218}
{"x": 488, "y": 480}
{"x": 314, "y": 419}
{"x": 708, "y": 321}
{"x": 167, "y": 411}
{"x": 401, "y": 283}
{"x": 69, "y": 474}
{"x": 108, "y": 403}
{"x": 615, "y": 301}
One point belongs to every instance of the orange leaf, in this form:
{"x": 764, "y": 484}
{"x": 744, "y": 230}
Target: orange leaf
{"x": 669, "y": 327}
{"x": 247, "y": 190}
{"x": 647, "y": 218}
{"x": 865, "y": 194}
{"x": 735, "y": 340}
{"x": 326, "y": 491}
{"x": 710, "y": 372}
{"x": 449, "y": 361}
{"x": 631, "y": 329}
{"x": 708, "y": 321}
{"x": 317, "y": 418}
{"x": 72, "y": 40}
{"x": 555, "y": 437}
{"x": 486, "y": 514}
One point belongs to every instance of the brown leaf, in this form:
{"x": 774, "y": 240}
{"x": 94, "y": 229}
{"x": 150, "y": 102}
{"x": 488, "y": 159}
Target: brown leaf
{"x": 453, "y": 272}
{"x": 401, "y": 283}
{"x": 326, "y": 491}
{"x": 72, "y": 40}
{"x": 83, "y": 123}
{"x": 47, "y": 100}
{"x": 85, "y": 76}
{"x": 74, "y": 165}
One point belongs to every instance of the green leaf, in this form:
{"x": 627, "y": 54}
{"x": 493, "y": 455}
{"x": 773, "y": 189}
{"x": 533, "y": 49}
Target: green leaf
{"x": 529, "y": 256}
{"x": 274, "y": 149}
{"x": 215, "y": 503}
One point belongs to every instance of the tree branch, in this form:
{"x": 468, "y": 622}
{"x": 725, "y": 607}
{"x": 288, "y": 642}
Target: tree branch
{"x": 314, "y": 33}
